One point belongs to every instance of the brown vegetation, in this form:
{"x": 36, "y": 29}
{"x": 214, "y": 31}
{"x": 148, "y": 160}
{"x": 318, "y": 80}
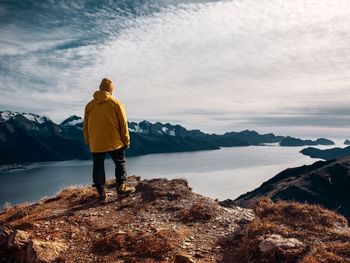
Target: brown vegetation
{"x": 163, "y": 221}
{"x": 198, "y": 211}
{"x": 296, "y": 232}
{"x": 141, "y": 244}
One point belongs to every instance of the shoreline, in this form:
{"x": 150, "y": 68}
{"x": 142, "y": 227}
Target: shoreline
{"x": 12, "y": 167}
{"x": 20, "y": 166}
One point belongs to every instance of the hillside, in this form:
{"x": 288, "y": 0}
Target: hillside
{"x": 164, "y": 221}
{"x": 325, "y": 182}
{"x": 26, "y": 137}
{"x": 161, "y": 220}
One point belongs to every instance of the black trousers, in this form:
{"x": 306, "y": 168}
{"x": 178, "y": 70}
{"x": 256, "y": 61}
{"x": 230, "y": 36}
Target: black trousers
{"x": 98, "y": 171}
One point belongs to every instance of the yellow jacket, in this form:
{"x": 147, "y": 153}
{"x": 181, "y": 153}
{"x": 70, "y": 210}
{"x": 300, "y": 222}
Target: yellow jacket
{"x": 105, "y": 123}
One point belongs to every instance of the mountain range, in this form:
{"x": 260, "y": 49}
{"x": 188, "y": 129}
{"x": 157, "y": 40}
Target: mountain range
{"x": 27, "y": 137}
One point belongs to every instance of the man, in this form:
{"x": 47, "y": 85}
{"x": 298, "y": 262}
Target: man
{"x": 106, "y": 131}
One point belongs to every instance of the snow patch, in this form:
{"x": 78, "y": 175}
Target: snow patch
{"x": 136, "y": 129}
{"x": 172, "y": 133}
{"x": 6, "y": 115}
{"x": 74, "y": 122}
{"x": 168, "y": 131}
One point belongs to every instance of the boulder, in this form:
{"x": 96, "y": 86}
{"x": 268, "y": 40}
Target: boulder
{"x": 44, "y": 251}
{"x": 25, "y": 249}
{"x": 274, "y": 242}
{"x": 17, "y": 239}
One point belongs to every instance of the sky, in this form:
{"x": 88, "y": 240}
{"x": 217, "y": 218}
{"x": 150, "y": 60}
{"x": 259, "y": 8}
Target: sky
{"x": 269, "y": 65}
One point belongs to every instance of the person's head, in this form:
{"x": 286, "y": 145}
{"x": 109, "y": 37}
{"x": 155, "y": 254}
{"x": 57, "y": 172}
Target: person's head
{"x": 107, "y": 85}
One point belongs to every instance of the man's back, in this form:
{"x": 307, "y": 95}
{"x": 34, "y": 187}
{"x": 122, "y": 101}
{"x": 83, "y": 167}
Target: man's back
{"x": 105, "y": 123}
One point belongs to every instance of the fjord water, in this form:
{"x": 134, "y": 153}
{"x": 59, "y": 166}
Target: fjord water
{"x": 224, "y": 173}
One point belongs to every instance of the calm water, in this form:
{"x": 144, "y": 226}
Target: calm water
{"x": 224, "y": 173}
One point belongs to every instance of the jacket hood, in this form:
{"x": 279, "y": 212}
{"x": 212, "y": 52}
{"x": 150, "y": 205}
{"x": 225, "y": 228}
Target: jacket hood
{"x": 102, "y": 96}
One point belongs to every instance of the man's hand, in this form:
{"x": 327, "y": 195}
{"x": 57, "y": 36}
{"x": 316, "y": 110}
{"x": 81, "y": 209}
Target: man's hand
{"x": 125, "y": 147}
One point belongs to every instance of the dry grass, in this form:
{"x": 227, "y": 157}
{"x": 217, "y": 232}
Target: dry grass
{"x": 77, "y": 194}
{"x": 332, "y": 252}
{"x": 296, "y": 215}
{"x": 21, "y": 216}
{"x": 16, "y": 212}
{"x": 152, "y": 245}
{"x": 143, "y": 245}
{"x": 6, "y": 206}
{"x": 201, "y": 210}
{"x": 130, "y": 229}
{"x": 325, "y": 234}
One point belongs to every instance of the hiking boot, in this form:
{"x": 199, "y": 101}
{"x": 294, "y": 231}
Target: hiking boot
{"x": 101, "y": 192}
{"x": 122, "y": 188}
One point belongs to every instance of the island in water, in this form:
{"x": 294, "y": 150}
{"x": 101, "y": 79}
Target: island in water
{"x": 326, "y": 154}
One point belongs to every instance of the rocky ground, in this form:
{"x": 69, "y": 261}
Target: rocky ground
{"x": 164, "y": 221}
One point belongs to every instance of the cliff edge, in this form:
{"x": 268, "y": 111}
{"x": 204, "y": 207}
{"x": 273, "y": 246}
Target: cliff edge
{"x": 164, "y": 221}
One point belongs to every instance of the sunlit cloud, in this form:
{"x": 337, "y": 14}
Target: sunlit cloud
{"x": 211, "y": 65}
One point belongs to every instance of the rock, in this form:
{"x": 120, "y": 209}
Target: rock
{"x": 40, "y": 251}
{"x": 4, "y": 235}
{"x": 25, "y": 249}
{"x": 229, "y": 203}
{"x": 183, "y": 259}
{"x": 276, "y": 241}
{"x": 18, "y": 239}
{"x": 132, "y": 230}
{"x": 15, "y": 241}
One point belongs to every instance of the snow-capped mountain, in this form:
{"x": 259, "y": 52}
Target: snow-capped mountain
{"x": 27, "y": 137}
{"x": 72, "y": 127}
{"x": 35, "y": 124}
{"x": 158, "y": 128}
{"x": 73, "y": 121}
{"x": 7, "y": 115}
{"x": 143, "y": 127}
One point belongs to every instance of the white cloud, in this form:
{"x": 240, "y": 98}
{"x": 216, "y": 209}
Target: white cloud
{"x": 243, "y": 58}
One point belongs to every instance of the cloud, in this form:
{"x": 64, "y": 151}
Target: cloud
{"x": 254, "y": 63}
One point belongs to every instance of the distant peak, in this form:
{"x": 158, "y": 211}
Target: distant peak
{"x": 7, "y": 115}
{"x": 75, "y": 117}
{"x": 72, "y": 120}
{"x": 146, "y": 122}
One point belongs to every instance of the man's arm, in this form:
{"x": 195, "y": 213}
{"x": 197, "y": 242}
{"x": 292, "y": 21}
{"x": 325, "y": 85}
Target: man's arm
{"x": 123, "y": 125}
{"x": 86, "y": 130}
